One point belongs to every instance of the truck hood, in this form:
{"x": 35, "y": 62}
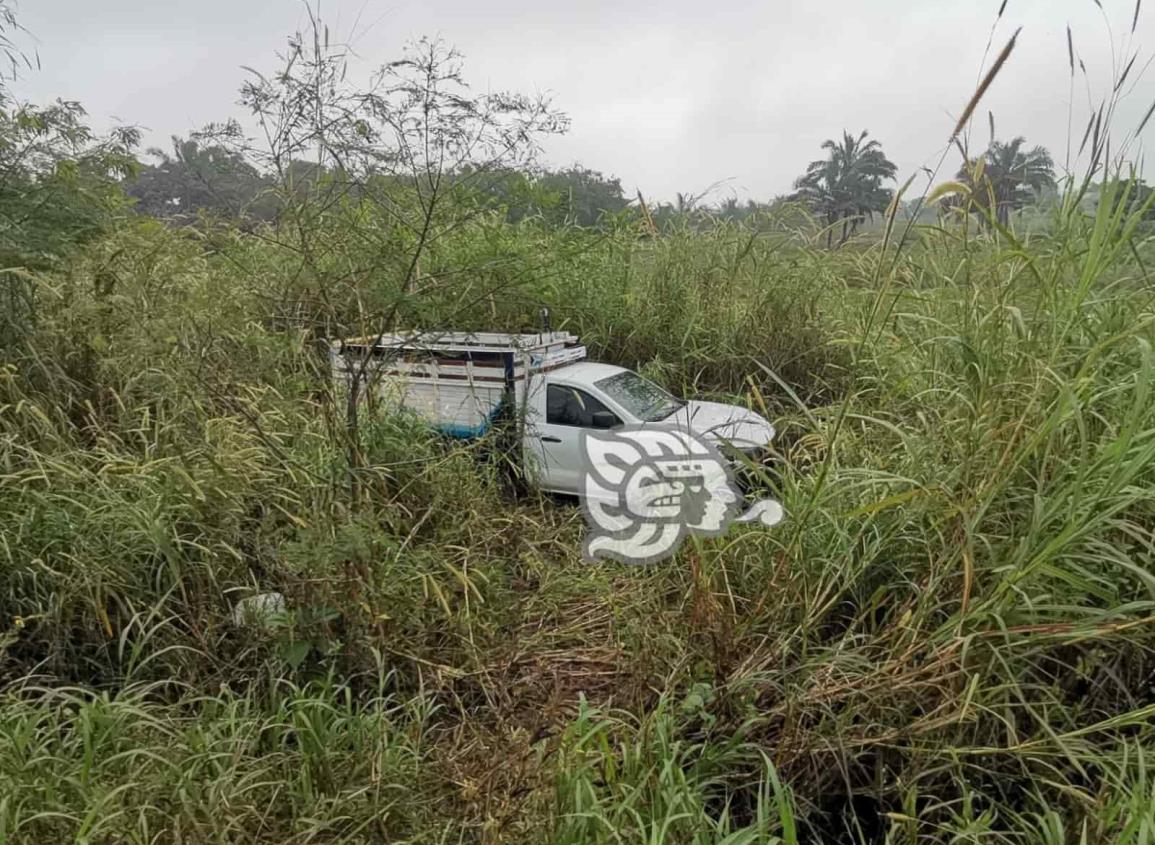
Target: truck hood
{"x": 720, "y": 422}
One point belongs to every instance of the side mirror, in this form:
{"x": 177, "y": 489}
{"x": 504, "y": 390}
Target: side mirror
{"x": 603, "y": 419}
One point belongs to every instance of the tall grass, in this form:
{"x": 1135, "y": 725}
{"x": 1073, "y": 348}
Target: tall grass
{"x": 950, "y": 639}
{"x": 301, "y": 764}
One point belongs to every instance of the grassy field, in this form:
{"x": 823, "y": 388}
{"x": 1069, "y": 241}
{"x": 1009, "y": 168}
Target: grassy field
{"x": 949, "y": 640}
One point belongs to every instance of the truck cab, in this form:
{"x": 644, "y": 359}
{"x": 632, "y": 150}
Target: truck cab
{"x": 586, "y": 395}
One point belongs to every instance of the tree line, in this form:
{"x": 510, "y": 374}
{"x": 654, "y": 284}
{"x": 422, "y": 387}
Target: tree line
{"x": 49, "y": 152}
{"x": 843, "y": 190}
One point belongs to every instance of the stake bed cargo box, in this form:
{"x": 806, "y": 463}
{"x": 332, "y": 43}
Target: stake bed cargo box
{"x": 456, "y": 381}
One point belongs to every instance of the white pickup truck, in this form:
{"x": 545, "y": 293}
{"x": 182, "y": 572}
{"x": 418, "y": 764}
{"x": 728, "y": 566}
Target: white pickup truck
{"x": 460, "y": 383}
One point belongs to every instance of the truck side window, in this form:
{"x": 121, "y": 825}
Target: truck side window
{"x": 569, "y": 406}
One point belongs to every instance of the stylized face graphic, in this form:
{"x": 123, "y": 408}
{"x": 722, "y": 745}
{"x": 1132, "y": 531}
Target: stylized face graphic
{"x": 645, "y": 488}
{"x": 695, "y": 492}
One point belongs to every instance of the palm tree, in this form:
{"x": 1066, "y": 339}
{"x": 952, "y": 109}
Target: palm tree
{"x": 846, "y": 186}
{"x": 197, "y": 177}
{"x": 729, "y": 209}
{"x": 1008, "y": 177}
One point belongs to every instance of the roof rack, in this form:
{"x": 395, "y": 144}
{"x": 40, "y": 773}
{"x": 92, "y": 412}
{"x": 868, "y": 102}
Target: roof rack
{"x": 432, "y": 341}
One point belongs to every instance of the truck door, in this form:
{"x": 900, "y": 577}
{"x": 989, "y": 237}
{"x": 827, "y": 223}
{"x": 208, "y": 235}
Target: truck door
{"x": 557, "y": 413}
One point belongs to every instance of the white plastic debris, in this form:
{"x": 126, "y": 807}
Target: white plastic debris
{"x": 263, "y": 610}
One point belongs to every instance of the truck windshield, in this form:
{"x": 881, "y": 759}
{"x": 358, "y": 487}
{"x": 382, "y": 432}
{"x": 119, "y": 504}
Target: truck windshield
{"x": 642, "y": 398}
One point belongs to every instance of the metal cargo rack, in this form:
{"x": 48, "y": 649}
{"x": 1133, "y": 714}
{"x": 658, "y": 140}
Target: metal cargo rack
{"x": 457, "y": 381}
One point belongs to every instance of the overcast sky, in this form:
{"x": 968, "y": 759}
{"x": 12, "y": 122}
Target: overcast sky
{"x": 669, "y": 96}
